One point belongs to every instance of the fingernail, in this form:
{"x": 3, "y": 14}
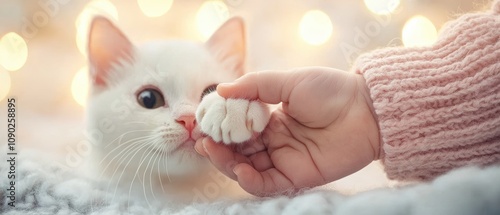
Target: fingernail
{"x": 225, "y": 85}
{"x": 196, "y": 149}
{"x": 230, "y": 165}
{"x": 204, "y": 143}
{"x": 236, "y": 171}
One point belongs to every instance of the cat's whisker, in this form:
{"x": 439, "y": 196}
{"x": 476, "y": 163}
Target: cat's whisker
{"x": 125, "y": 153}
{"x": 129, "y": 152}
{"x": 155, "y": 156}
{"x": 120, "y": 144}
{"x": 121, "y": 156}
{"x": 141, "y": 162}
{"x": 163, "y": 155}
{"x": 166, "y": 165}
{"x": 128, "y": 163}
{"x": 148, "y": 150}
{"x": 156, "y": 162}
{"x": 128, "y": 147}
{"x": 119, "y": 138}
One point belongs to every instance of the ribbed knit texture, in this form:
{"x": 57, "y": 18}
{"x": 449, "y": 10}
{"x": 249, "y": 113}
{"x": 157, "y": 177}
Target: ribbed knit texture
{"x": 438, "y": 108}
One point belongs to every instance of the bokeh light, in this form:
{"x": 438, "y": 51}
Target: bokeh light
{"x": 154, "y": 8}
{"x": 382, "y": 7}
{"x": 13, "y": 51}
{"x": 4, "y": 84}
{"x": 419, "y": 31}
{"x": 96, "y": 7}
{"x": 80, "y": 86}
{"x": 210, "y": 16}
{"x": 315, "y": 27}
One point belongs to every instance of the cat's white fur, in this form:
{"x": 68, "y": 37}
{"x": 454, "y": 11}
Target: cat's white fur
{"x": 231, "y": 120}
{"x": 149, "y": 151}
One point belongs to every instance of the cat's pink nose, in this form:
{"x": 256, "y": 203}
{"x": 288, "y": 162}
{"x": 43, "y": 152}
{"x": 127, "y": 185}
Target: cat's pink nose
{"x": 188, "y": 121}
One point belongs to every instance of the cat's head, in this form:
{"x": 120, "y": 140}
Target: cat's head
{"x": 141, "y": 109}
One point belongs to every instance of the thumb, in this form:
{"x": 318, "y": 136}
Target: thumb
{"x": 267, "y": 86}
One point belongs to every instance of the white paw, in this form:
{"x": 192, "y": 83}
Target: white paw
{"x": 231, "y": 120}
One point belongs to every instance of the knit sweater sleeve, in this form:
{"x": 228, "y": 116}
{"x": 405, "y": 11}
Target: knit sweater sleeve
{"x": 438, "y": 107}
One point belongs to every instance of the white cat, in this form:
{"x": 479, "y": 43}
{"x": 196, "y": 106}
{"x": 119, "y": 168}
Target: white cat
{"x": 143, "y": 104}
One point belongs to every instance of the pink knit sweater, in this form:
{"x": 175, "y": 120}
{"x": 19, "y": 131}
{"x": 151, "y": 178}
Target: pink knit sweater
{"x": 438, "y": 107}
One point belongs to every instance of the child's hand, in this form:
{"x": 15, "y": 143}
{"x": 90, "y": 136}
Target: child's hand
{"x": 325, "y": 130}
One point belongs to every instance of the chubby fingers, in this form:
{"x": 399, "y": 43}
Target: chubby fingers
{"x": 221, "y": 156}
{"x": 266, "y": 183}
{"x": 268, "y": 86}
{"x": 255, "y": 173}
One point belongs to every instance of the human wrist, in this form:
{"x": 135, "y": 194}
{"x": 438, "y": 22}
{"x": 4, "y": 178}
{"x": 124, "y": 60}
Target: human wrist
{"x": 373, "y": 132}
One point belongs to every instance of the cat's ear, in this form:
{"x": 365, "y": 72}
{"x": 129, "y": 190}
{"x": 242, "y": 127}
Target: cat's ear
{"x": 228, "y": 45}
{"x": 107, "y": 45}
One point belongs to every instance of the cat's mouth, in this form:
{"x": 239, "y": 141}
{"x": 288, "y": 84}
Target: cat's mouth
{"x": 187, "y": 145}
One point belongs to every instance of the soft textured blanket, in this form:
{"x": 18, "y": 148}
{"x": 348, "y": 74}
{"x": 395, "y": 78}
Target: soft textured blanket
{"x": 42, "y": 188}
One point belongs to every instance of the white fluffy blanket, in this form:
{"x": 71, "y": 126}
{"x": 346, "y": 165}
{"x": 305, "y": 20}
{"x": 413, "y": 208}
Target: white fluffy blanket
{"x": 47, "y": 189}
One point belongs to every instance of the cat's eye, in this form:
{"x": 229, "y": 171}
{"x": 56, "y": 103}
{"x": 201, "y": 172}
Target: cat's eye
{"x": 150, "y": 98}
{"x": 208, "y": 90}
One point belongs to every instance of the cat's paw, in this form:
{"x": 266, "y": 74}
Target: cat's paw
{"x": 231, "y": 120}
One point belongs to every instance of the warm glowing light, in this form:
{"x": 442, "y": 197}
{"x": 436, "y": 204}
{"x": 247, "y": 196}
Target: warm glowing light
{"x": 210, "y": 16}
{"x": 315, "y": 27}
{"x": 4, "y": 84}
{"x": 93, "y": 8}
{"x": 13, "y": 51}
{"x": 80, "y": 86}
{"x": 382, "y": 7}
{"x": 419, "y": 31}
{"x": 154, "y": 8}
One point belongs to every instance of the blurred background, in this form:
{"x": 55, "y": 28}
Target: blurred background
{"x": 43, "y": 56}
